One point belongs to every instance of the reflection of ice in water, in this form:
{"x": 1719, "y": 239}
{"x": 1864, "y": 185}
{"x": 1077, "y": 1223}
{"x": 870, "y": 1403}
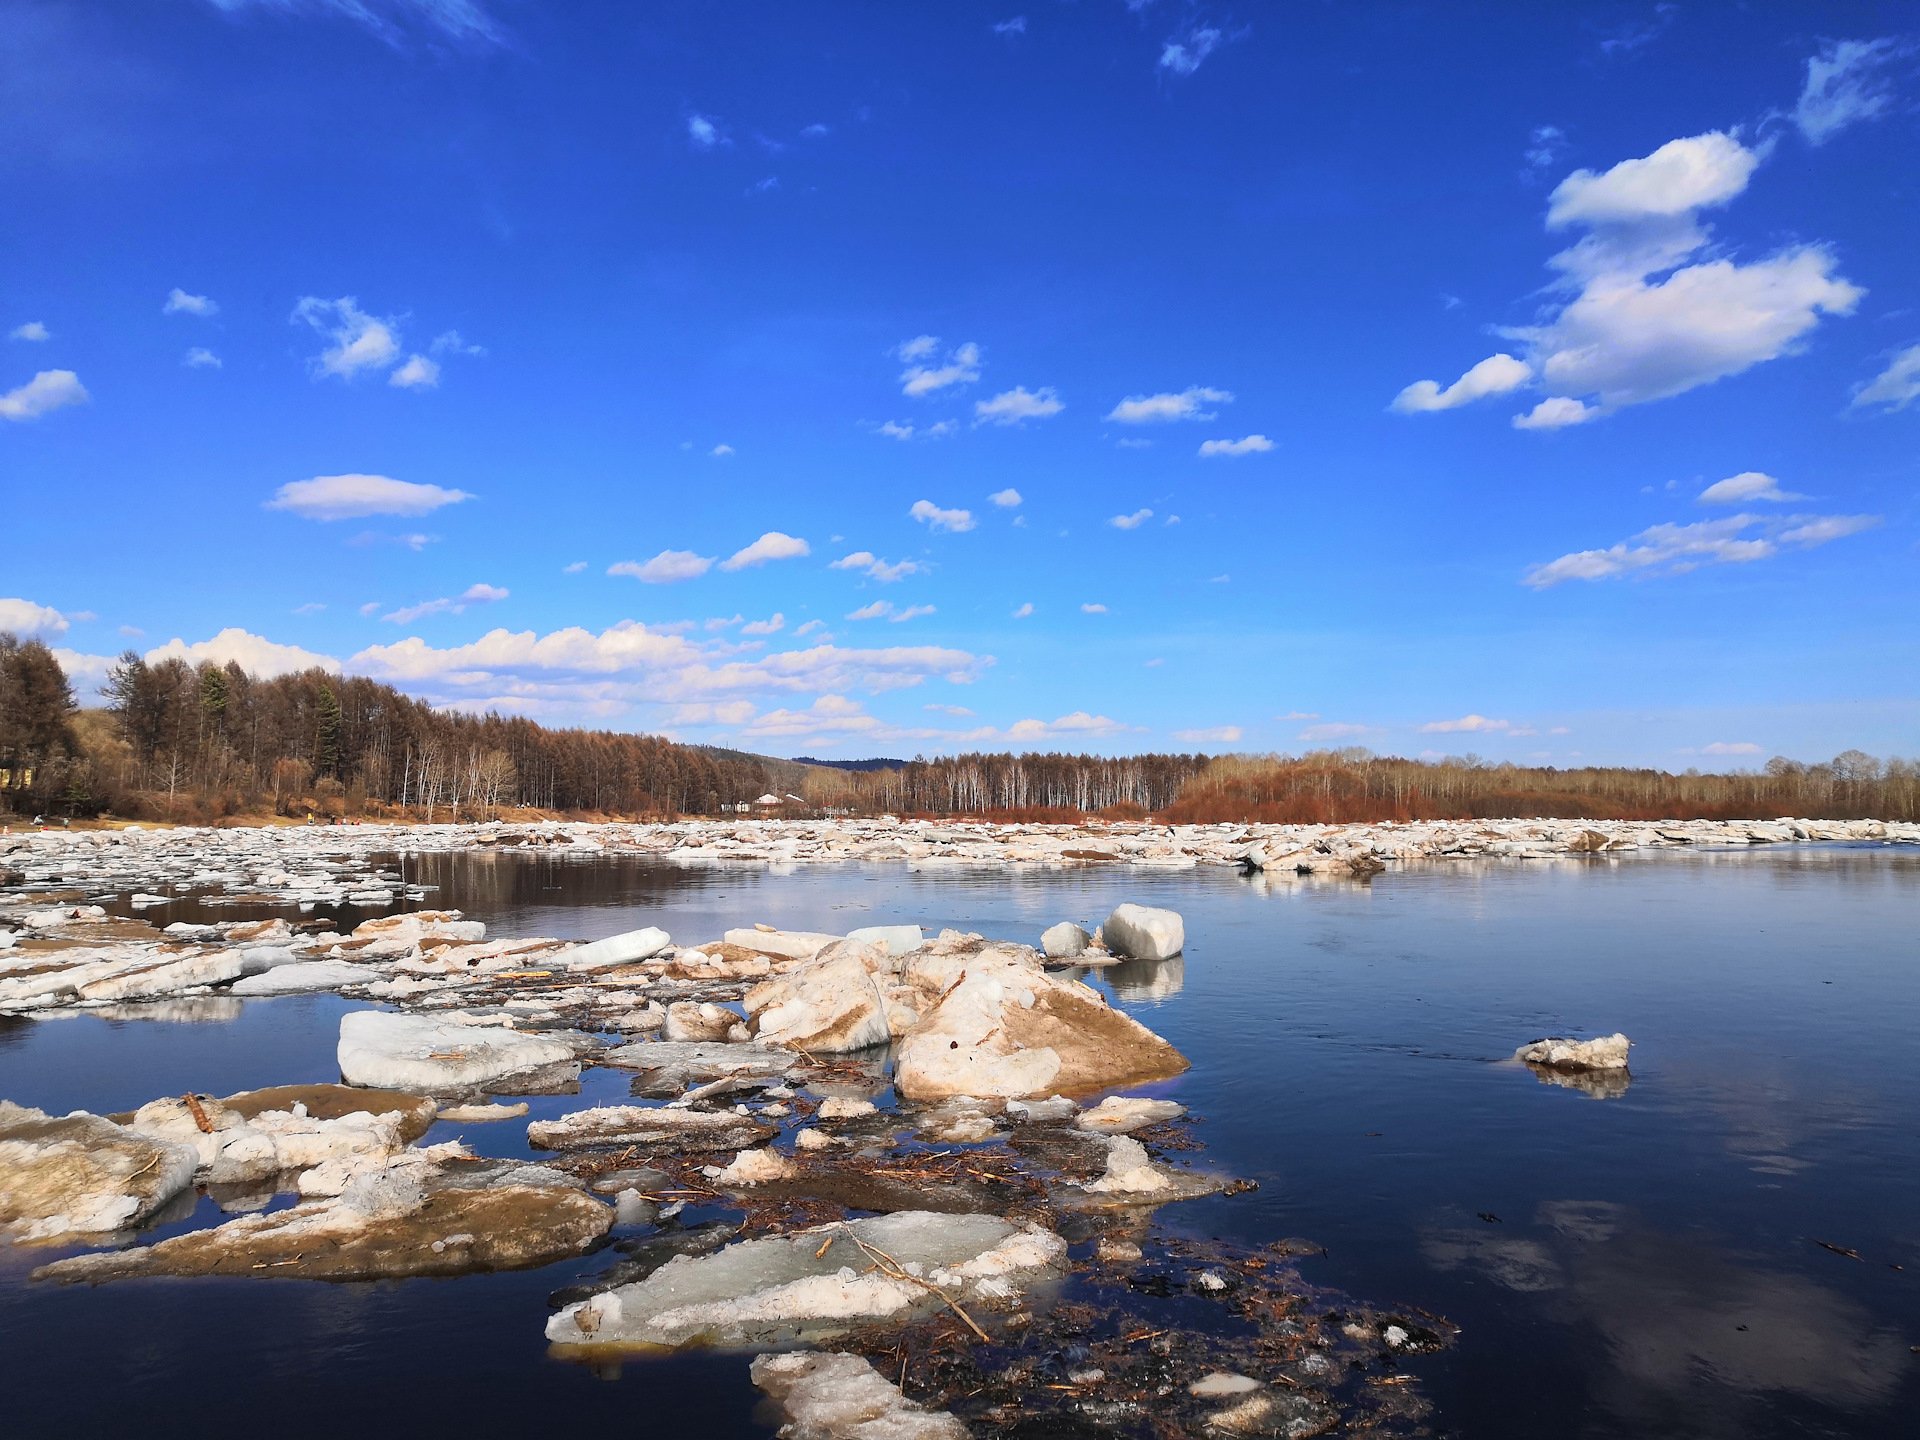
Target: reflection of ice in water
{"x": 184, "y": 1010}
{"x": 1596, "y": 1084}
{"x": 1147, "y": 979}
{"x": 1682, "y": 1323}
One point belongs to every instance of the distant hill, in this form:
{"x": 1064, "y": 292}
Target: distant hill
{"x": 862, "y": 766}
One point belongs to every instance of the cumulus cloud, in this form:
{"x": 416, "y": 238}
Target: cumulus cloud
{"x": 449, "y": 342}
{"x": 1639, "y": 312}
{"x": 1545, "y": 146}
{"x": 1018, "y": 405}
{"x": 1846, "y": 83}
{"x": 577, "y": 567}
{"x": 871, "y": 612}
{"x": 1680, "y": 177}
{"x": 912, "y": 612}
{"x": 1211, "y": 735}
{"x": 905, "y": 430}
{"x": 774, "y": 545}
{"x": 885, "y": 571}
{"x": 934, "y": 518}
{"x": 1335, "y": 730}
{"x": 1748, "y": 485}
{"x": 1246, "y": 445}
{"x": 721, "y": 451}
{"x": 772, "y": 625}
{"x": 1495, "y": 375}
{"x": 1131, "y": 522}
{"x": 348, "y": 497}
{"x": 1093, "y": 607}
{"x": 33, "y": 330}
{"x": 418, "y": 373}
{"x": 1556, "y": 412}
{"x": 1023, "y": 611}
{"x": 665, "y": 568}
{"x": 1674, "y": 549}
{"x": 705, "y": 133}
{"x": 27, "y": 617}
{"x": 1732, "y": 747}
{"x": 1895, "y": 387}
{"x": 200, "y": 358}
{"x": 1015, "y": 26}
{"x": 47, "y": 391}
{"x": 922, "y": 376}
{"x": 1005, "y": 499}
{"x": 254, "y": 654}
{"x": 179, "y": 302}
{"x": 1077, "y": 723}
{"x": 1168, "y": 405}
{"x": 355, "y": 340}
{"x": 1468, "y": 725}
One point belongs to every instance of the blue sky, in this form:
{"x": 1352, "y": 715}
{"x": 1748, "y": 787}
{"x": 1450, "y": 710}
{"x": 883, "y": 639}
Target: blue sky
{"x": 1532, "y": 381}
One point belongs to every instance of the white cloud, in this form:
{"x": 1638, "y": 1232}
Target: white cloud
{"x": 1466, "y": 724}
{"x": 478, "y": 594}
{"x": 1845, "y": 85}
{"x": 1495, "y": 375}
{"x": 810, "y": 627}
{"x": 1183, "y": 405}
{"x": 707, "y": 712}
{"x": 1246, "y": 445}
{"x": 370, "y": 609}
{"x": 1005, "y": 499}
{"x": 959, "y": 712}
{"x": 419, "y": 373}
{"x": 356, "y": 341}
{"x": 912, "y": 612}
{"x": 1093, "y": 608}
{"x": 1016, "y": 26}
{"x": 1077, "y": 723}
{"x": 1131, "y": 522}
{"x": 1188, "y": 50}
{"x": 721, "y": 450}
{"x": 1675, "y": 549}
{"x": 578, "y": 567}
{"x": 86, "y": 673}
{"x": 1748, "y": 485}
{"x": 1211, "y": 735}
{"x": 49, "y": 390}
{"x": 665, "y": 568}
{"x": 26, "y": 617}
{"x": 903, "y": 430}
{"x": 312, "y": 607}
{"x": 774, "y": 545}
{"x": 705, "y": 133}
{"x": 1556, "y": 412}
{"x": 33, "y": 330}
{"x": 1024, "y": 611}
{"x": 1680, "y": 177}
{"x": 1732, "y": 747}
{"x": 462, "y": 20}
{"x": 449, "y": 342}
{"x": 772, "y": 625}
{"x": 179, "y": 302}
{"x": 1545, "y": 146}
{"x": 1018, "y": 405}
{"x": 937, "y": 519}
{"x": 253, "y": 653}
{"x": 1895, "y": 387}
{"x": 871, "y": 612}
{"x": 1640, "y": 315}
{"x": 347, "y": 497}
{"x": 200, "y": 358}
{"x": 885, "y": 571}
{"x": 962, "y": 366}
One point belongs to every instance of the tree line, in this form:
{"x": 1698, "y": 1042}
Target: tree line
{"x": 203, "y": 742}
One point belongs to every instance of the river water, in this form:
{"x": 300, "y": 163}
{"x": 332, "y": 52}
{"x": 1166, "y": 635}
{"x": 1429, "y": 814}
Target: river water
{"x": 1641, "y": 1263}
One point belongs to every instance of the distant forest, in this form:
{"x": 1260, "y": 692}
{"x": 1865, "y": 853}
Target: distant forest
{"x": 208, "y": 742}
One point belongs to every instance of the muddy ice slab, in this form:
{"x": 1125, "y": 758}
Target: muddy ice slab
{"x": 995, "y": 1024}
{"x": 76, "y": 1176}
{"x": 833, "y": 1002}
{"x": 842, "y": 1397}
{"x": 656, "y": 1127}
{"x": 259, "y": 1134}
{"x": 1609, "y": 1052}
{"x": 410, "y": 1052}
{"x": 438, "y": 1212}
{"x": 819, "y": 1282}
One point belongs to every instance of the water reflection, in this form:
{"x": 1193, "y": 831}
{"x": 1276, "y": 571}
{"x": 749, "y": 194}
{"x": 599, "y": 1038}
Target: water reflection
{"x": 1695, "y": 1337}
{"x": 1594, "y": 1084}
